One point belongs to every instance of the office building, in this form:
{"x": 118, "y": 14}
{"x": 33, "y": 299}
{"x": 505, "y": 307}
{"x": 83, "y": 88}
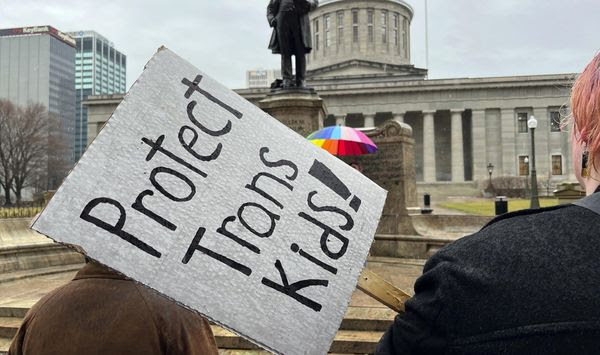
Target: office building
{"x": 100, "y": 69}
{"x": 261, "y": 78}
{"x": 37, "y": 65}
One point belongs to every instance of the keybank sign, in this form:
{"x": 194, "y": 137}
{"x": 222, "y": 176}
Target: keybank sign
{"x": 37, "y": 29}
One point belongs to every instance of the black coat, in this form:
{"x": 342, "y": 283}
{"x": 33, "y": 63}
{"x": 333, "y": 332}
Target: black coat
{"x": 527, "y": 283}
{"x": 307, "y": 6}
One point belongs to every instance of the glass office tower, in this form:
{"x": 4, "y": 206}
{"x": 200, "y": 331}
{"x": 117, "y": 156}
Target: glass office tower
{"x": 99, "y": 69}
{"x": 37, "y": 65}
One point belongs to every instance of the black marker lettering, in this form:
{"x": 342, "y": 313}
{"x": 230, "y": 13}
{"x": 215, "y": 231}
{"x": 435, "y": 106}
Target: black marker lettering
{"x": 296, "y": 249}
{"x": 349, "y": 221}
{"x": 272, "y": 218}
{"x": 223, "y": 230}
{"x": 188, "y": 146}
{"x": 279, "y": 163}
{"x": 252, "y": 186}
{"x": 292, "y": 289}
{"x": 190, "y": 112}
{"x": 180, "y": 176}
{"x": 327, "y": 231}
{"x": 138, "y": 205}
{"x": 117, "y": 228}
{"x": 193, "y": 86}
{"x": 157, "y": 147}
{"x": 322, "y": 173}
{"x": 195, "y": 245}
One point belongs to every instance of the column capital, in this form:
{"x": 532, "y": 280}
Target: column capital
{"x": 429, "y": 112}
{"x": 455, "y": 111}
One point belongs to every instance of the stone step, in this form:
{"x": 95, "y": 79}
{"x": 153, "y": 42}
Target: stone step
{"x": 361, "y": 329}
{"x": 9, "y": 326}
{"x": 367, "y": 318}
{"x": 4, "y": 345}
{"x": 345, "y": 342}
{"x": 13, "y": 311}
{"x": 26, "y": 274}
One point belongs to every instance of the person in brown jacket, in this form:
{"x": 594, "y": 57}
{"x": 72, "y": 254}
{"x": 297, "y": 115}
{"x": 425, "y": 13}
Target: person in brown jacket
{"x": 103, "y": 312}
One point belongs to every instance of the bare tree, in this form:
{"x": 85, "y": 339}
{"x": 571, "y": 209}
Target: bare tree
{"x": 8, "y": 117}
{"x": 31, "y": 138}
{"x": 33, "y": 149}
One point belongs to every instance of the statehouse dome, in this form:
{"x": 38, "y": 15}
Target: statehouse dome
{"x": 367, "y": 34}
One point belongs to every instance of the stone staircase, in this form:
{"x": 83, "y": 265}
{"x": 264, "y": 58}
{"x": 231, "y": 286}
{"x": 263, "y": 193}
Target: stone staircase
{"x": 359, "y": 332}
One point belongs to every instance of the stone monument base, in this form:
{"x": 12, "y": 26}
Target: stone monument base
{"x": 302, "y": 110}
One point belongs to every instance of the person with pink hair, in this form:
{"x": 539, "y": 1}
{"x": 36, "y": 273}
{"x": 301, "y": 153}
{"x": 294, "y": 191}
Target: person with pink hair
{"x": 527, "y": 282}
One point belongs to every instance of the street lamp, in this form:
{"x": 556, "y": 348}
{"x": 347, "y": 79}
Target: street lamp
{"x": 535, "y": 202}
{"x": 490, "y": 168}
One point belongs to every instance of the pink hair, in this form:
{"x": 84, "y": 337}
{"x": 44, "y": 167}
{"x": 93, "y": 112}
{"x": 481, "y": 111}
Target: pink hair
{"x": 585, "y": 107}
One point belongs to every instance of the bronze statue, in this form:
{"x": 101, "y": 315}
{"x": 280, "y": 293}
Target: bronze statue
{"x": 291, "y": 36}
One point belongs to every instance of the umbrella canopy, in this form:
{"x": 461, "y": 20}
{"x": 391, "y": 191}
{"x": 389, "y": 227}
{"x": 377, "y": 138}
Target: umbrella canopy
{"x": 342, "y": 140}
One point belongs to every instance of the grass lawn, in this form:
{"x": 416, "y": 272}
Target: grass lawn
{"x": 486, "y": 207}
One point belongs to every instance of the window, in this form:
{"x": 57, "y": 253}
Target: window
{"x": 340, "y": 23}
{"x": 523, "y": 165}
{"x": 522, "y": 122}
{"x": 355, "y": 26}
{"x": 87, "y": 44}
{"x": 317, "y": 35}
{"x": 395, "y": 33}
{"x": 557, "y": 165}
{"x": 384, "y": 26}
{"x": 327, "y": 31}
{"x": 555, "y": 121}
{"x": 370, "y": 26}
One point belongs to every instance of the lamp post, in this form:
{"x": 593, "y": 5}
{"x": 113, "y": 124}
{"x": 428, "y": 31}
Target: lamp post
{"x": 490, "y": 168}
{"x": 535, "y": 202}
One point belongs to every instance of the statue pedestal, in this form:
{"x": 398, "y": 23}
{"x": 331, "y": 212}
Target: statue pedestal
{"x": 302, "y": 110}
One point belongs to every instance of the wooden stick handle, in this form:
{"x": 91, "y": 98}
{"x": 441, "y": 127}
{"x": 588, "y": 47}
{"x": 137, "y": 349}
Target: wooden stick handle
{"x": 383, "y": 291}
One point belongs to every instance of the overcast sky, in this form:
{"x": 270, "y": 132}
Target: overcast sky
{"x": 224, "y": 38}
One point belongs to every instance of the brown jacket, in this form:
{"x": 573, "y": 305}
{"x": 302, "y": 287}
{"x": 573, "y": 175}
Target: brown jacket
{"x": 103, "y": 312}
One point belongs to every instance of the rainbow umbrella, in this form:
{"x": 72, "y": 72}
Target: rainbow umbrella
{"x": 342, "y": 140}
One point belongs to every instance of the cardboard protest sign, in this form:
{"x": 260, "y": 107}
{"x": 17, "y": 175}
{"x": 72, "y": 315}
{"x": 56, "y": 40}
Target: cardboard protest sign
{"x": 200, "y": 195}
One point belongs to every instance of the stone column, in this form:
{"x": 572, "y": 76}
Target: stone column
{"x": 480, "y": 159}
{"x": 399, "y": 117}
{"x": 429, "y": 174}
{"x": 369, "y": 120}
{"x": 456, "y": 144}
{"x": 508, "y": 135}
{"x": 340, "y": 120}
